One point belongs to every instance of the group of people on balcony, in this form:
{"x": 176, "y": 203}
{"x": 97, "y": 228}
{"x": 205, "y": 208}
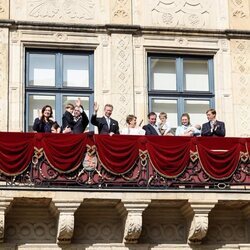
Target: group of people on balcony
{"x": 75, "y": 121}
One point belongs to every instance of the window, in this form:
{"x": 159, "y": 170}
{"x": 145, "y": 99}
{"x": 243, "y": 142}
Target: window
{"x": 180, "y": 84}
{"x": 57, "y": 78}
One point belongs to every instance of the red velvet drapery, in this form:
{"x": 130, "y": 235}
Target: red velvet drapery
{"x": 169, "y": 156}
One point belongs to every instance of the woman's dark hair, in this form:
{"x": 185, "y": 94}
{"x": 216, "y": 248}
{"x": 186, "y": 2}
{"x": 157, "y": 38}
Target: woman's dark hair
{"x": 43, "y": 109}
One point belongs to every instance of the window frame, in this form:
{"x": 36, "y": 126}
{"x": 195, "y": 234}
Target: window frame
{"x": 180, "y": 94}
{"x": 58, "y": 90}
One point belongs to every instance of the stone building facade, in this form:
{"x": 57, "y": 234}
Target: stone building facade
{"x": 122, "y": 34}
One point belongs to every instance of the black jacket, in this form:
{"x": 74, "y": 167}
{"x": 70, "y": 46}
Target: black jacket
{"x": 67, "y": 120}
{"x": 102, "y": 125}
{"x": 150, "y": 130}
{"x": 219, "y": 129}
{"x": 81, "y": 124}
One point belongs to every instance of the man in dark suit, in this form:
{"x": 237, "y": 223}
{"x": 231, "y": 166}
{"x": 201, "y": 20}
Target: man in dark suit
{"x": 105, "y": 124}
{"x": 213, "y": 127}
{"x": 81, "y": 120}
{"x": 151, "y": 128}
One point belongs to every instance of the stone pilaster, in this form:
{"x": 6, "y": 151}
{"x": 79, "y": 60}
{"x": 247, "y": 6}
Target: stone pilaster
{"x": 3, "y": 205}
{"x": 122, "y": 77}
{"x": 240, "y": 54}
{"x": 133, "y": 224}
{"x": 66, "y": 211}
{"x": 198, "y": 212}
{"x": 4, "y": 51}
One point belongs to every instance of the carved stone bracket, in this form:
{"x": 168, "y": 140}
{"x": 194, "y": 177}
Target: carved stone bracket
{"x": 3, "y": 206}
{"x": 66, "y": 212}
{"x": 199, "y": 222}
{"x": 133, "y": 225}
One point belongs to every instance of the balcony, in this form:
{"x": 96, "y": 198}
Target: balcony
{"x": 120, "y": 161}
{"x": 123, "y": 192}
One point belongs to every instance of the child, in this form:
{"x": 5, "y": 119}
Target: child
{"x": 55, "y": 128}
{"x": 164, "y": 126}
{"x": 68, "y": 119}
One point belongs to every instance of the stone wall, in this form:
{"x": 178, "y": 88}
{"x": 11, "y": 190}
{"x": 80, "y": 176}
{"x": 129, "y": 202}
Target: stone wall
{"x": 112, "y": 220}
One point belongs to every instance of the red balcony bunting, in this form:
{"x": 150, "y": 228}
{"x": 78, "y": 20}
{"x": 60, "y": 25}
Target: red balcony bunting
{"x": 169, "y": 156}
{"x": 16, "y": 150}
{"x": 64, "y": 152}
{"x": 117, "y": 154}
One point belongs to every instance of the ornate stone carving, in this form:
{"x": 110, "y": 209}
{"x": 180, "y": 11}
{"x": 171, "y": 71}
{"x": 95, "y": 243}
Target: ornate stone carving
{"x": 133, "y": 224}
{"x": 198, "y": 229}
{"x": 2, "y": 7}
{"x": 123, "y": 74}
{"x": 60, "y": 36}
{"x": 121, "y": 11}
{"x": 182, "y": 13}
{"x": 133, "y": 227}
{"x": 199, "y": 223}
{"x": 239, "y": 8}
{"x": 241, "y": 84}
{"x": 73, "y": 9}
{"x": 65, "y": 227}
{"x": 104, "y": 231}
{"x": 105, "y": 40}
{"x": 31, "y": 231}
{"x": 66, "y": 219}
{"x": 2, "y": 226}
{"x": 227, "y": 231}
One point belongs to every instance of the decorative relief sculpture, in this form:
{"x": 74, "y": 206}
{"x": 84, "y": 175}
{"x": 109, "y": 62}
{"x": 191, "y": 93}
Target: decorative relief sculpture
{"x": 2, "y": 215}
{"x": 121, "y": 11}
{"x": 65, "y": 227}
{"x": 73, "y": 9}
{"x": 199, "y": 223}
{"x": 133, "y": 227}
{"x": 239, "y": 8}
{"x": 2, "y": 7}
{"x": 198, "y": 229}
{"x": 241, "y": 70}
{"x": 133, "y": 224}
{"x": 123, "y": 70}
{"x": 227, "y": 231}
{"x": 182, "y": 13}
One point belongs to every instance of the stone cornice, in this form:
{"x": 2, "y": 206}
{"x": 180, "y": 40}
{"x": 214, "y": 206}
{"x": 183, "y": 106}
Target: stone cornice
{"x": 121, "y": 28}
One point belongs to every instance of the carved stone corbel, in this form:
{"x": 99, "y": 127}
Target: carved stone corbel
{"x": 198, "y": 212}
{"x": 66, "y": 210}
{"x": 133, "y": 224}
{"x": 3, "y": 206}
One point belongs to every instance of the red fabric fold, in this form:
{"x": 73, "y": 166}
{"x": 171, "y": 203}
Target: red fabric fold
{"x": 64, "y": 152}
{"x": 117, "y": 154}
{"x": 16, "y": 150}
{"x": 219, "y": 158}
{"x": 169, "y": 155}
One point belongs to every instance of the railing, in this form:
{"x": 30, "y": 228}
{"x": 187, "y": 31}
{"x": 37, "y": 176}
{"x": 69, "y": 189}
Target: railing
{"x": 128, "y": 162}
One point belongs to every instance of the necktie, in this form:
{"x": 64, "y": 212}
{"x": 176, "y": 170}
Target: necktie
{"x": 108, "y": 122}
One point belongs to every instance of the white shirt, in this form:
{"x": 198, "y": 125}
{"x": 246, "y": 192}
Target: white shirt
{"x": 133, "y": 131}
